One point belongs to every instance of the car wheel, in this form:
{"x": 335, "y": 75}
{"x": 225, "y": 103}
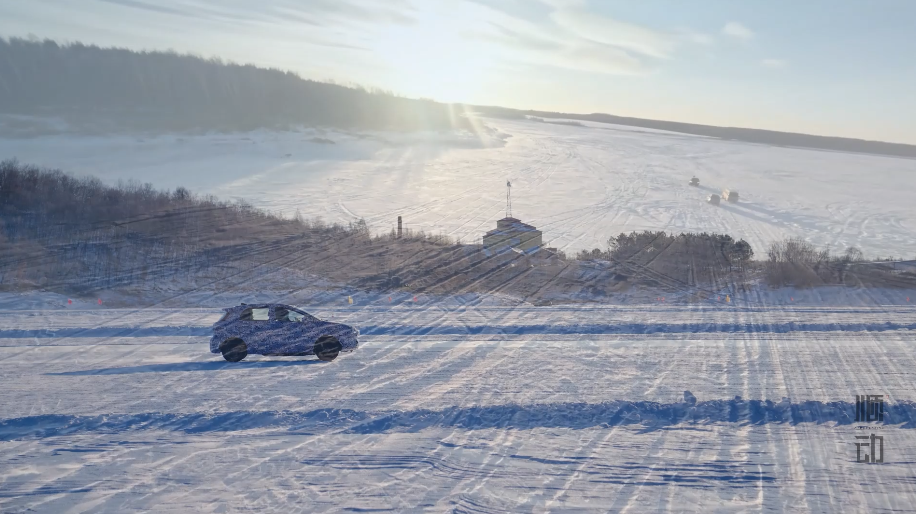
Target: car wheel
{"x": 327, "y": 348}
{"x": 234, "y": 349}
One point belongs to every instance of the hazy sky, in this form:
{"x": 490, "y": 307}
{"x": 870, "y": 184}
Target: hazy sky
{"x": 835, "y": 67}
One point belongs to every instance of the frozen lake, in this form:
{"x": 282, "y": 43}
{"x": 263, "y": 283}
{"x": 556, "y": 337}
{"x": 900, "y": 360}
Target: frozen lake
{"x": 579, "y": 185}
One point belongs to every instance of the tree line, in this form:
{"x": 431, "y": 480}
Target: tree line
{"x": 155, "y": 89}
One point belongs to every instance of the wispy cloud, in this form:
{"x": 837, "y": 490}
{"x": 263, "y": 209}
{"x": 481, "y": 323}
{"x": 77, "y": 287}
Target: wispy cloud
{"x": 550, "y": 44}
{"x": 518, "y": 39}
{"x": 312, "y": 12}
{"x": 626, "y": 36}
{"x": 563, "y": 4}
{"x": 424, "y": 39}
{"x": 735, "y": 29}
{"x": 137, "y": 4}
{"x": 554, "y": 33}
{"x": 569, "y": 36}
{"x": 391, "y": 11}
{"x": 773, "y": 63}
{"x": 601, "y": 58}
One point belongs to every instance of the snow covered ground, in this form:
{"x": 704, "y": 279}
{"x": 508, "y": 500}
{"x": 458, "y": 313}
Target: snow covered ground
{"x": 466, "y": 404}
{"x": 478, "y": 404}
{"x": 579, "y": 185}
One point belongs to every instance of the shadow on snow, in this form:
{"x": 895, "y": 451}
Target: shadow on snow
{"x": 584, "y": 328}
{"x": 647, "y": 416}
{"x": 105, "y": 332}
{"x": 633, "y": 328}
{"x": 187, "y": 366}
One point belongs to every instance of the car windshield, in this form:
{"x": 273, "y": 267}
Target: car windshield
{"x": 294, "y": 316}
{"x": 463, "y": 256}
{"x": 284, "y": 314}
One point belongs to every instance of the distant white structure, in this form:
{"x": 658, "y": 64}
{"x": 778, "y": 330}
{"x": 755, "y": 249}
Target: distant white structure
{"x": 511, "y": 233}
{"x": 508, "y": 199}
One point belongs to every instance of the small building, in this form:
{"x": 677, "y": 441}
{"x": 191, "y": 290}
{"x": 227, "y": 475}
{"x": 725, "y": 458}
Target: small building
{"x": 511, "y": 233}
{"x": 548, "y": 255}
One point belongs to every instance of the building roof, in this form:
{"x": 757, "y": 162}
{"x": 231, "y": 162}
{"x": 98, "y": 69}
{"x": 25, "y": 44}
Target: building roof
{"x": 512, "y": 224}
{"x": 527, "y": 229}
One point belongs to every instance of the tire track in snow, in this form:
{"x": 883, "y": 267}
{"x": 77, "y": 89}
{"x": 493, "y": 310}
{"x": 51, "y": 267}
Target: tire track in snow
{"x": 626, "y": 495}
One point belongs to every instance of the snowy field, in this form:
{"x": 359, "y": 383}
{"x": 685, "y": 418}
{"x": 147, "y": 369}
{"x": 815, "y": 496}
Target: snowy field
{"x": 471, "y": 404}
{"x": 579, "y": 185}
{"x": 462, "y": 405}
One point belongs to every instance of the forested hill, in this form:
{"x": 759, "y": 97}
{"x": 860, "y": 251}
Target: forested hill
{"x": 90, "y": 85}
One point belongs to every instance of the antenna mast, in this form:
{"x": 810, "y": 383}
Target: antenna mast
{"x": 508, "y": 199}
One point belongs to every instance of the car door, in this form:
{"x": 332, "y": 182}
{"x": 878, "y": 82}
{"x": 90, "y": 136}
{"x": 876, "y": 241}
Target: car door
{"x": 310, "y": 328}
{"x": 254, "y": 325}
{"x": 299, "y": 329}
{"x": 283, "y": 331}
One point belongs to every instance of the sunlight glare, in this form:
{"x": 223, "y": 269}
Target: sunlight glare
{"x": 436, "y": 57}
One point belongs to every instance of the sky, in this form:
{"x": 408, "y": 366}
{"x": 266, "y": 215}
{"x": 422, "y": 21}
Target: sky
{"x": 829, "y": 67}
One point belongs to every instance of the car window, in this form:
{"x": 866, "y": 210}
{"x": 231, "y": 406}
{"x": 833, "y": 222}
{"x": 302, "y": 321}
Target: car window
{"x": 304, "y": 317}
{"x": 284, "y": 314}
{"x": 252, "y": 314}
{"x": 281, "y": 313}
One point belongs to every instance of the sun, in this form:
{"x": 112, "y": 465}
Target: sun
{"x": 437, "y": 57}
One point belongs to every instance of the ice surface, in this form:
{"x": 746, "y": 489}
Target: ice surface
{"x": 115, "y": 410}
{"x": 579, "y": 185}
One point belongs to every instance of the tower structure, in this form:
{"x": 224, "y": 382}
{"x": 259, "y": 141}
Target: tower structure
{"x": 508, "y": 199}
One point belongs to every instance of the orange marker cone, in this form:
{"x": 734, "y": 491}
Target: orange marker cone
{"x": 70, "y": 302}
{"x": 100, "y": 301}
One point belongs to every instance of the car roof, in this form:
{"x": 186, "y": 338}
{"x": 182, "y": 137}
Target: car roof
{"x": 261, "y": 306}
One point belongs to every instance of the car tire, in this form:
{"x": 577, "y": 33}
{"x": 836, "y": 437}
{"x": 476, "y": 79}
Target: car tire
{"x": 233, "y": 350}
{"x": 327, "y": 348}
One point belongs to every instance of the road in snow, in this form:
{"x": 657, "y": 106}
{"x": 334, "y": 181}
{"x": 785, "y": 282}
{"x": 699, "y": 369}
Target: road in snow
{"x": 121, "y": 410}
{"x": 579, "y": 185}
